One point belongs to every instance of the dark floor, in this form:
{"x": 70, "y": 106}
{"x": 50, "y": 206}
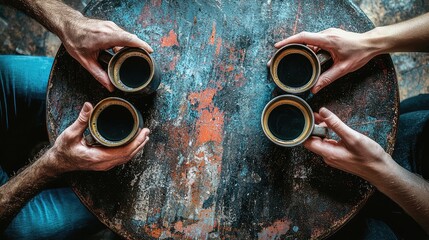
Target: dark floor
{"x": 22, "y": 35}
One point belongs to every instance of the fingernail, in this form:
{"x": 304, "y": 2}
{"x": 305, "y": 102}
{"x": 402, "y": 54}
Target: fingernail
{"x": 150, "y": 49}
{"x": 86, "y": 107}
{"x": 324, "y": 112}
{"x": 110, "y": 88}
{"x": 316, "y": 89}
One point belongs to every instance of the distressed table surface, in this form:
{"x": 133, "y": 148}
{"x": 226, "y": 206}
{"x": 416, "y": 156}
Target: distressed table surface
{"x": 208, "y": 171}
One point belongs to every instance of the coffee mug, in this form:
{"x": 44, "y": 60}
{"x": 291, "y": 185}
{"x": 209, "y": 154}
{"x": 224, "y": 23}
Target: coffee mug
{"x": 113, "y": 122}
{"x": 132, "y": 70}
{"x": 288, "y": 121}
{"x": 295, "y": 68}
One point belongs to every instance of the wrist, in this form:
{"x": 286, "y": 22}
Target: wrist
{"x": 51, "y": 161}
{"x": 382, "y": 170}
{"x": 68, "y": 26}
{"x": 377, "y": 42}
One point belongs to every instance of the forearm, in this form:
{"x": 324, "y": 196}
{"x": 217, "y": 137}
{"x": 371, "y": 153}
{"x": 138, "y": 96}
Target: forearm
{"x": 407, "y": 189}
{"x": 408, "y": 36}
{"x": 52, "y": 14}
{"x": 15, "y": 193}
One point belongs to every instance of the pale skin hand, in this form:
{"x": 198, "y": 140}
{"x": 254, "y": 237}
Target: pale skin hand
{"x": 69, "y": 153}
{"x": 82, "y": 37}
{"x": 357, "y": 154}
{"x": 350, "y": 51}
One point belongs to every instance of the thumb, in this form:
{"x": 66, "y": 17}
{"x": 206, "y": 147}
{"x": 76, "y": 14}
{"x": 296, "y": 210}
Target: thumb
{"x": 81, "y": 122}
{"x": 99, "y": 74}
{"x": 333, "y": 122}
{"x": 328, "y": 77}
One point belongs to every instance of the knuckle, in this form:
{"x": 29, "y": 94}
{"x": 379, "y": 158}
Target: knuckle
{"x": 304, "y": 34}
{"x": 68, "y": 135}
{"x": 343, "y": 67}
{"x": 329, "y": 160}
{"x": 326, "y": 81}
{"x": 335, "y": 123}
{"x": 110, "y": 24}
{"x": 356, "y": 140}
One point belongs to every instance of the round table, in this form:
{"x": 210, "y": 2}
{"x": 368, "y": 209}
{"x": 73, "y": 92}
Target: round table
{"x": 208, "y": 171}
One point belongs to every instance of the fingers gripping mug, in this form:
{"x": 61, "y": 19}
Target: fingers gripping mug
{"x": 113, "y": 122}
{"x": 132, "y": 70}
{"x": 288, "y": 121}
{"x": 295, "y": 68}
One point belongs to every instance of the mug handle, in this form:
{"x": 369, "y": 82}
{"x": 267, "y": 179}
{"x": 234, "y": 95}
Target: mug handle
{"x": 104, "y": 57}
{"x": 320, "y": 131}
{"x": 90, "y": 140}
{"x": 323, "y": 56}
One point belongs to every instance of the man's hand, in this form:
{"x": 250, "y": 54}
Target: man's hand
{"x": 70, "y": 152}
{"x": 349, "y": 51}
{"x": 84, "y": 38}
{"x": 354, "y": 153}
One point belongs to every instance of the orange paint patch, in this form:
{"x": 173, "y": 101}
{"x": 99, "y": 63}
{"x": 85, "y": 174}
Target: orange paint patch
{"x": 169, "y": 40}
{"x": 218, "y": 46}
{"x": 203, "y": 99}
{"x": 210, "y": 126}
{"x": 173, "y": 63}
{"x": 213, "y": 35}
{"x": 178, "y": 226}
{"x": 200, "y": 154}
{"x": 153, "y": 231}
{"x": 276, "y": 230}
{"x": 210, "y": 123}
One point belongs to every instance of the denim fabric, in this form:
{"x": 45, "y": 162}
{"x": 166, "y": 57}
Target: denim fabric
{"x": 23, "y": 82}
{"x": 54, "y": 213}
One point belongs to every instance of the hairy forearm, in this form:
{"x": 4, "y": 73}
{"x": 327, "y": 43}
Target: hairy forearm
{"x": 52, "y": 14}
{"x": 21, "y": 188}
{"x": 408, "y": 36}
{"x": 407, "y": 189}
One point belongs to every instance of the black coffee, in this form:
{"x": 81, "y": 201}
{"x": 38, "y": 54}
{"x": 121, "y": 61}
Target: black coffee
{"x": 134, "y": 71}
{"x": 294, "y": 70}
{"x": 286, "y": 122}
{"x": 115, "y": 123}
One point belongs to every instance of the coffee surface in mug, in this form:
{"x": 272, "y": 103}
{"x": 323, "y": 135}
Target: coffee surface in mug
{"x": 294, "y": 70}
{"x": 134, "y": 72}
{"x": 286, "y": 122}
{"x": 115, "y": 123}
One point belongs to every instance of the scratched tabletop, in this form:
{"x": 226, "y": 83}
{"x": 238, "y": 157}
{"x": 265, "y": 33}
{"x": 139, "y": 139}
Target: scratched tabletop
{"x": 208, "y": 171}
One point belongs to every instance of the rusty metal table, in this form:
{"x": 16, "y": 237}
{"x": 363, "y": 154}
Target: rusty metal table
{"x": 209, "y": 171}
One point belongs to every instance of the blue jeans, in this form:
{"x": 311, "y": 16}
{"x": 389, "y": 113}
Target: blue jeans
{"x": 55, "y": 213}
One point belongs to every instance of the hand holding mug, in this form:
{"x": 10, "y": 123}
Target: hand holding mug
{"x": 71, "y": 153}
{"x": 349, "y": 51}
{"x": 85, "y": 38}
{"x": 354, "y": 153}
